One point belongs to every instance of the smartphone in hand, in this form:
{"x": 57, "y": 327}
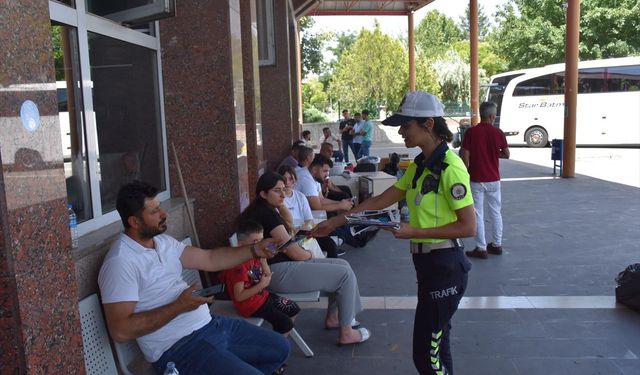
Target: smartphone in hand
{"x": 298, "y": 237}
{"x": 208, "y": 292}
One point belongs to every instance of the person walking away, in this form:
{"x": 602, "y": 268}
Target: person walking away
{"x": 481, "y": 149}
{"x": 436, "y": 188}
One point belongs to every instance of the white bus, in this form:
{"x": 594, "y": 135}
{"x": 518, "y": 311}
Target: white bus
{"x": 531, "y": 103}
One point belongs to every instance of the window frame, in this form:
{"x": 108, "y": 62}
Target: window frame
{"x": 84, "y": 23}
{"x": 266, "y": 32}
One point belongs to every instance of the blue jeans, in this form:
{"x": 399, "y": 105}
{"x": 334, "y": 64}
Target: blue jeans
{"x": 227, "y": 346}
{"x": 364, "y": 149}
{"x": 337, "y": 156}
{"x": 346, "y": 144}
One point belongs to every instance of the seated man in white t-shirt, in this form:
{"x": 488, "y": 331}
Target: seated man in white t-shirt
{"x": 145, "y": 298}
{"x": 309, "y": 178}
{"x": 335, "y": 142}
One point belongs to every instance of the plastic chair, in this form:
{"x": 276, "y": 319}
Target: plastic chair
{"x": 98, "y": 357}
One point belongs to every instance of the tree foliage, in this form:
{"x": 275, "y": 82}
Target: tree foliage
{"x": 454, "y": 77}
{"x": 531, "y": 33}
{"x": 343, "y": 41}
{"x": 372, "y": 72}
{"x": 314, "y": 95}
{"x": 436, "y": 33}
{"x": 484, "y": 26}
{"x": 312, "y": 46}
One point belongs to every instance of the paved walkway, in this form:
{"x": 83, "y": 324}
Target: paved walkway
{"x": 545, "y": 306}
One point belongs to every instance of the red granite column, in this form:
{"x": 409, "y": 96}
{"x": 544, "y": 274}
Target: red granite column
{"x": 275, "y": 91}
{"x": 253, "y": 117}
{"x": 39, "y": 318}
{"x": 204, "y": 111}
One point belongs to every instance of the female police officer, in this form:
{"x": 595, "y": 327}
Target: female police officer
{"x": 436, "y": 189}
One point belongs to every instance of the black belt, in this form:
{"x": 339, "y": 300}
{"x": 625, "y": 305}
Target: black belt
{"x": 427, "y": 247}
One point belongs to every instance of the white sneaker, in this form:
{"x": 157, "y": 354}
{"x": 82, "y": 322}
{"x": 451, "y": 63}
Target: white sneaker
{"x": 339, "y": 241}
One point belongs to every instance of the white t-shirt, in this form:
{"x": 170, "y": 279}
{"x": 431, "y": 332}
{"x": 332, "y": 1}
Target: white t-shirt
{"x": 357, "y": 138}
{"x": 306, "y": 184}
{"x": 331, "y": 139}
{"x": 152, "y": 278}
{"x": 299, "y": 207}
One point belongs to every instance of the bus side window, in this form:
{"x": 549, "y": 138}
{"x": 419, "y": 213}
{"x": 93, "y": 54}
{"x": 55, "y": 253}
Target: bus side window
{"x": 591, "y": 80}
{"x": 623, "y": 78}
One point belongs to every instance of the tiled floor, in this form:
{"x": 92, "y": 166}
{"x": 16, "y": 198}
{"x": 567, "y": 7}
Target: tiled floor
{"x": 545, "y": 306}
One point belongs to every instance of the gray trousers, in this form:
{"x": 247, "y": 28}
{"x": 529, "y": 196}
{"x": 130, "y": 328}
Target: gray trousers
{"x": 333, "y": 276}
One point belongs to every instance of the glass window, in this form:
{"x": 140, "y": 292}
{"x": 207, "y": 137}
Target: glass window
{"x": 109, "y": 105}
{"x": 497, "y": 87}
{"x": 591, "y": 80}
{"x": 266, "y": 41}
{"x": 132, "y": 12}
{"x": 127, "y": 111}
{"x": 623, "y": 78}
{"x": 535, "y": 86}
{"x": 71, "y": 117}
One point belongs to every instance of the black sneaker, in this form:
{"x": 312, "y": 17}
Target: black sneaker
{"x": 281, "y": 370}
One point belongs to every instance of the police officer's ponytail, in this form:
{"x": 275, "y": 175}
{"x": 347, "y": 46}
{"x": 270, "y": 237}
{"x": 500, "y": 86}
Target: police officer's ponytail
{"x": 440, "y": 127}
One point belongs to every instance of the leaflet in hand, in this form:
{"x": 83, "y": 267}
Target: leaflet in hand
{"x": 370, "y": 220}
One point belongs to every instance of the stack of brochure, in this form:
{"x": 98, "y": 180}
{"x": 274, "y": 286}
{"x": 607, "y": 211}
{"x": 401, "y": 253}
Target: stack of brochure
{"x": 370, "y": 220}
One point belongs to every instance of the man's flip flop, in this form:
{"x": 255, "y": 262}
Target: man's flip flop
{"x": 364, "y": 336}
{"x": 354, "y": 324}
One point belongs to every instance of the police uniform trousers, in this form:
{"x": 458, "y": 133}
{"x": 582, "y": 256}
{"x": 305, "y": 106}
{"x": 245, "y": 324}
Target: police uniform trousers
{"x": 442, "y": 281}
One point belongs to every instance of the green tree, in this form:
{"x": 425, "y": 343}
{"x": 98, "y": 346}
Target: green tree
{"x": 531, "y": 33}
{"x": 488, "y": 58}
{"x": 436, "y": 33}
{"x": 312, "y": 46}
{"x": 372, "y": 72}
{"x": 343, "y": 41}
{"x": 314, "y": 95}
{"x": 484, "y": 26}
{"x": 454, "y": 77}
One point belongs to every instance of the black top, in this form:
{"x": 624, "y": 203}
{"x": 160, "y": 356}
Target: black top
{"x": 269, "y": 218}
{"x": 343, "y": 123}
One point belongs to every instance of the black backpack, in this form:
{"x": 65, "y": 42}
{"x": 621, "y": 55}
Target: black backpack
{"x": 628, "y": 287}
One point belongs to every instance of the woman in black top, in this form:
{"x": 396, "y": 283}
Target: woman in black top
{"x": 295, "y": 271}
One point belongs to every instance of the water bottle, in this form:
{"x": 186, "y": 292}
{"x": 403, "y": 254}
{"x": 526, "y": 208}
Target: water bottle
{"x": 73, "y": 226}
{"x": 171, "y": 369}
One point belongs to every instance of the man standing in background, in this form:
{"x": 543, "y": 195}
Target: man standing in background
{"x": 346, "y": 126}
{"x": 366, "y": 131}
{"x": 481, "y": 149}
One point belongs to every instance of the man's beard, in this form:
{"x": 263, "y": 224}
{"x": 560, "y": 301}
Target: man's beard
{"x": 318, "y": 179}
{"x": 148, "y": 232}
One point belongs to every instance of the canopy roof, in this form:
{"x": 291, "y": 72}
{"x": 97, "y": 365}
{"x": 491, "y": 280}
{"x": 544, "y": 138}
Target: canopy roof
{"x": 357, "y": 7}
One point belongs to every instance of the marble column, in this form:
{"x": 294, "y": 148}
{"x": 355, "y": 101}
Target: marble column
{"x": 204, "y": 110}
{"x": 253, "y": 116}
{"x": 275, "y": 91}
{"x": 39, "y": 319}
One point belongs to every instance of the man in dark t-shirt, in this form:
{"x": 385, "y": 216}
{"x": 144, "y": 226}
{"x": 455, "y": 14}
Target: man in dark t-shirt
{"x": 346, "y": 125}
{"x": 481, "y": 149}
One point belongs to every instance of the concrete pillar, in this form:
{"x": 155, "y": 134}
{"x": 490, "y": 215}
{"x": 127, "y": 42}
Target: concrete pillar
{"x": 475, "y": 82}
{"x": 412, "y": 54}
{"x": 253, "y": 116}
{"x": 571, "y": 88}
{"x": 39, "y": 317}
{"x": 275, "y": 91}
{"x": 205, "y": 112}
